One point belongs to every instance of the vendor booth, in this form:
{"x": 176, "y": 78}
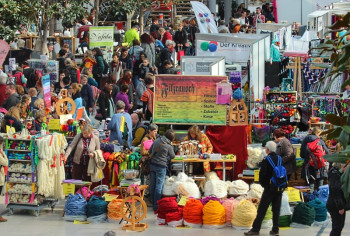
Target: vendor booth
{"x": 282, "y": 31}
{"x": 195, "y": 65}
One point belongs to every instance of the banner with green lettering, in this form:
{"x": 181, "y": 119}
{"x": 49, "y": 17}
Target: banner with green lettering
{"x": 191, "y": 99}
{"x": 102, "y": 37}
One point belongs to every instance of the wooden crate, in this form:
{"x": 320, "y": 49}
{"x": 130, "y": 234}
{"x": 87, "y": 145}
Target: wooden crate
{"x": 238, "y": 114}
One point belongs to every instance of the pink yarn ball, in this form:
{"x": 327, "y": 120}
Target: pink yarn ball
{"x": 229, "y": 205}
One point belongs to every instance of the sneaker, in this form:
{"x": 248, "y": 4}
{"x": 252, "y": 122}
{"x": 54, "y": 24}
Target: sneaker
{"x": 251, "y": 233}
{"x": 274, "y": 233}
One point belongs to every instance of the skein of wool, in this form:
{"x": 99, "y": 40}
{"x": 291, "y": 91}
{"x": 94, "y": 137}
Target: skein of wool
{"x": 239, "y": 187}
{"x": 85, "y": 192}
{"x": 97, "y": 210}
{"x": 207, "y": 199}
{"x": 256, "y": 191}
{"x": 214, "y": 215}
{"x": 115, "y": 208}
{"x": 244, "y": 214}
{"x": 174, "y": 219}
{"x": 166, "y": 205}
{"x": 320, "y": 209}
{"x": 285, "y": 221}
{"x": 192, "y": 212}
{"x": 229, "y": 205}
{"x": 285, "y": 207}
{"x": 215, "y": 187}
{"x": 75, "y": 208}
{"x": 303, "y": 214}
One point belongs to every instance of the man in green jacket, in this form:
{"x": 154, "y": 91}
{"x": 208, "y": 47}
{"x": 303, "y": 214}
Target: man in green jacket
{"x": 132, "y": 34}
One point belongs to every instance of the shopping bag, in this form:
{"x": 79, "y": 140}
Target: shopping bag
{"x": 180, "y": 54}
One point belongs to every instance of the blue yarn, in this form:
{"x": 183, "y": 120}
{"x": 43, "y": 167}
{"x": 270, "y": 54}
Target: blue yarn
{"x": 323, "y": 193}
{"x": 320, "y": 209}
{"x": 96, "y": 206}
{"x": 75, "y": 205}
{"x": 237, "y": 94}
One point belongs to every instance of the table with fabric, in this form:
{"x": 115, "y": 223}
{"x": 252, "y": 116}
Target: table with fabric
{"x": 230, "y": 140}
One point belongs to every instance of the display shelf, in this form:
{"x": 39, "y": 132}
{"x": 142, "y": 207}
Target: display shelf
{"x": 20, "y": 160}
{"x": 19, "y": 139}
{"x": 15, "y": 150}
{"x": 20, "y": 172}
{"x": 282, "y": 92}
{"x": 14, "y": 182}
{"x": 20, "y": 193}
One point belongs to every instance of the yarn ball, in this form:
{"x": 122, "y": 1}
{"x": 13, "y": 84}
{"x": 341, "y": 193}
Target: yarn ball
{"x": 217, "y": 188}
{"x": 244, "y": 214}
{"x": 192, "y": 212}
{"x": 115, "y": 208}
{"x": 204, "y": 46}
{"x": 285, "y": 207}
{"x": 285, "y": 221}
{"x": 255, "y": 191}
{"x": 212, "y": 47}
{"x": 168, "y": 186}
{"x": 213, "y": 213}
{"x": 320, "y": 209}
{"x": 237, "y": 94}
{"x": 323, "y": 193}
{"x": 165, "y": 206}
{"x": 96, "y": 206}
{"x": 207, "y": 199}
{"x": 239, "y": 187}
{"x": 304, "y": 214}
{"x": 175, "y": 216}
{"x": 229, "y": 205}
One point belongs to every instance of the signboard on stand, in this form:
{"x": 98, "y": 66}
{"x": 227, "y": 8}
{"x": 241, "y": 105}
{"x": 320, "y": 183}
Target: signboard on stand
{"x": 189, "y": 99}
{"x": 102, "y": 37}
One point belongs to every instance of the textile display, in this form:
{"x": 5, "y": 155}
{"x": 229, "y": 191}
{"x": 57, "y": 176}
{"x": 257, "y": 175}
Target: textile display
{"x": 285, "y": 221}
{"x": 237, "y": 145}
{"x": 216, "y": 188}
{"x": 229, "y": 205}
{"x": 255, "y": 191}
{"x": 185, "y": 186}
{"x": 165, "y": 206}
{"x": 115, "y": 208}
{"x": 174, "y": 219}
{"x": 223, "y": 93}
{"x": 75, "y": 208}
{"x": 238, "y": 187}
{"x": 320, "y": 209}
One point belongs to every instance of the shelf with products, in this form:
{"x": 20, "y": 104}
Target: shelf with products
{"x": 283, "y": 97}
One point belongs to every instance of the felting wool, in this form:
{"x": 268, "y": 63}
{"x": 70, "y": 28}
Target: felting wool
{"x": 115, "y": 208}
{"x": 216, "y": 188}
{"x": 185, "y": 186}
{"x": 285, "y": 221}
{"x": 165, "y": 206}
{"x": 255, "y": 191}
{"x": 174, "y": 219}
{"x": 75, "y": 208}
{"x": 207, "y": 199}
{"x": 285, "y": 207}
{"x": 214, "y": 214}
{"x": 255, "y": 156}
{"x": 244, "y": 214}
{"x": 211, "y": 176}
{"x": 97, "y": 210}
{"x": 192, "y": 212}
{"x": 229, "y": 205}
{"x": 304, "y": 214}
{"x": 168, "y": 186}
{"x": 239, "y": 187}
{"x": 320, "y": 209}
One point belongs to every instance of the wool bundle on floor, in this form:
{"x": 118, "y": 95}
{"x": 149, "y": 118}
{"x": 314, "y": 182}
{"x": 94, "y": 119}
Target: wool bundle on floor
{"x": 238, "y": 187}
{"x": 256, "y": 191}
{"x": 115, "y": 209}
{"x": 174, "y": 219}
{"x": 165, "y": 206}
{"x": 168, "y": 186}
{"x": 75, "y": 208}
{"x": 185, "y": 186}
{"x": 216, "y": 188}
{"x": 214, "y": 214}
{"x": 285, "y": 207}
{"x": 229, "y": 205}
{"x": 97, "y": 210}
{"x": 285, "y": 221}
{"x": 320, "y": 209}
{"x": 192, "y": 212}
{"x": 244, "y": 214}
{"x": 303, "y": 214}
{"x": 255, "y": 156}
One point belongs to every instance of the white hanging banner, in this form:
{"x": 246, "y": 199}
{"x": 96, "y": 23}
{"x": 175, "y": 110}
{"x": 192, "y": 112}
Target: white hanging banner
{"x": 206, "y": 22}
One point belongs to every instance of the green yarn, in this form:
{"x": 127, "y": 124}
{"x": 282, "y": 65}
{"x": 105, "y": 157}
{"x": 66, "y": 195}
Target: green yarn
{"x": 268, "y": 215}
{"x": 320, "y": 209}
{"x": 304, "y": 214}
{"x": 285, "y": 221}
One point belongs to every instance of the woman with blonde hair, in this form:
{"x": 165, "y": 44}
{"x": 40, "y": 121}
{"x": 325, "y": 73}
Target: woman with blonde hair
{"x": 12, "y": 118}
{"x": 312, "y": 149}
{"x": 194, "y": 133}
{"x": 75, "y": 90}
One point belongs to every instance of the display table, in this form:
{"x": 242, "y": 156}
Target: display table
{"x": 193, "y": 160}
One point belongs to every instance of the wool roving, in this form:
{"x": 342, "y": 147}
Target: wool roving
{"x": 167, "y": 187}
{"x": 75, "y": 208}
{"x": 207, "y": 199}
{"x": 211, "y": 176}
{"x": 192, "y": 212}
{"x": 239, "y": 187}
{"x": 166, "y": 205}
{"x": 115, "y": 208}
{"x": 214, "y": 214}
{"x": 229, "y": 205}
{"x": 174, "y": 219}
{"x": 285, "y": 221}
{"x": 255, "y": 191}
{"x": 320, "y": 209}
{"x": 217, "y": 188}
{"x": 244, "y": 214}
{"x": 303, "y": 214}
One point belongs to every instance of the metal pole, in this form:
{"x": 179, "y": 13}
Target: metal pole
{"x": 228, "y": 10}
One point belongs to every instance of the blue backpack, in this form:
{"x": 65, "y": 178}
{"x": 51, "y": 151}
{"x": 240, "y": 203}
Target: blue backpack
{"x": 279, "y": 178}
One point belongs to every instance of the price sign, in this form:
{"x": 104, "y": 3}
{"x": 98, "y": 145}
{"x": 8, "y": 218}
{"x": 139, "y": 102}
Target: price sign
{"x": 293, "y": 194}
{"x": 68, "y": 189}
{"x": 256, "y": 175}
{"x": 183, "y": 201}
{"x": 54, "y": 124}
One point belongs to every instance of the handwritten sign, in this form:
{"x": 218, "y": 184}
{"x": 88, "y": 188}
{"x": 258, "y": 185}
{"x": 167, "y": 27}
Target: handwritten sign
{"x": 188, "y": 99}
{"x": 68, "y": 189}
{"x": 54, "y": 124}
{"x": 182, "y": 201}
{"x": 293, "y": 194}
{"x": 4, "y": 50}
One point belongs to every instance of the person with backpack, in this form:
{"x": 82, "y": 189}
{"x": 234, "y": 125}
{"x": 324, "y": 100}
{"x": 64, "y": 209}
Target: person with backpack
{"x": 72, "y": 72}
{"x": 29, "y": 73}
{"x": 273, "y": 178}
{"x": 312, "y": 150}
{"x": 285, "y": 150}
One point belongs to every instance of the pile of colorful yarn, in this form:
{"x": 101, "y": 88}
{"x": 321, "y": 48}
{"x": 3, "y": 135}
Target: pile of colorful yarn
{"x": 165, "y": 206}
{"x": 175, "y": 218}
{"x": 85, "y": 192}
{"x": 115, "y": 209}
{"x": 303, "y": 215}
{"x": 320, "y": 210}
{"x": 97, "y": 210}
{"x": 192, "y": 213}
{"x": 214, "y": 215}
{"x": 75, "y": 208}
{"x": 229, "y": 205}
{"x": 244, "y": 214}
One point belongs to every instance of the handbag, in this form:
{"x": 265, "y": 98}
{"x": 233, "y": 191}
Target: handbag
{"x": 180, "y": 53}
{"x": 147, "y": 144}
{"x": 147, "y": 161}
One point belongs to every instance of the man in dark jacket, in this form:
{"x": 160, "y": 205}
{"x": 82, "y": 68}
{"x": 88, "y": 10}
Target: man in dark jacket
{"x": 73, "y": 74}
{"x": 271, "y": 195}
{"x": 160, "y": 151}
{"x": 13, "y": 98}
{"x": 336, "y": 203}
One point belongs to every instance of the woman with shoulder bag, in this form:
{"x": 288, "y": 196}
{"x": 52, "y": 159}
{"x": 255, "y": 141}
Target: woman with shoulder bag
{"x": 3, "y": 164}
{"x": 82, "y": 148}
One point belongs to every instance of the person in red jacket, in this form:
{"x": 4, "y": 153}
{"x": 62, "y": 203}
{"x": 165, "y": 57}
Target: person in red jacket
{"x": 3, "y": 80}
{"x": 165, "y": 35}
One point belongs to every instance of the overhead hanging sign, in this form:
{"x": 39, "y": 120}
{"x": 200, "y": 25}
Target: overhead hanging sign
{"x": 206, "y": 22}
{"x": 233, "y": 52}
{"x": 4, "y": 50}
{"x": 188, "y": 100}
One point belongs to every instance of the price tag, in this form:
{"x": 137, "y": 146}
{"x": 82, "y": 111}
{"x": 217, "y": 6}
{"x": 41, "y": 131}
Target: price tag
{"x": 256, "y": 175}
{"x": 293, "y": 194}
{"x": 68, "y": 188}
{"x": 183, "y": 201}
{"x": 54, "y": 124}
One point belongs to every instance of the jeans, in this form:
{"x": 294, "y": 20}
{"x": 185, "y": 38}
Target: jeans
{"x": 135, "y": 80}
{"x": 156, "y": 186}
{"x": 269, "y": 196}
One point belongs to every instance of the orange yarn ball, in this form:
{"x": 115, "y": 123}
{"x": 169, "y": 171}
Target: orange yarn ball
{"x": 192, "y": 212}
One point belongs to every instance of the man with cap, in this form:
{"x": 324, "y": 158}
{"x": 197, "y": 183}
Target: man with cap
{"x": 131, "y": 35}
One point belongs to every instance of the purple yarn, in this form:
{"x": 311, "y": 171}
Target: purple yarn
{"x": 107, "y": 147}
{"x": 207, "y": 199}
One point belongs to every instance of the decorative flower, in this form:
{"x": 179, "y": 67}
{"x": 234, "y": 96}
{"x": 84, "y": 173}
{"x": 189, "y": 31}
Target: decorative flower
{"x": 11, "y": 122}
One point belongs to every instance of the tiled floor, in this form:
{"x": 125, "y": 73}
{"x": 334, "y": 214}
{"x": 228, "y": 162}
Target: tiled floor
{"x": 52, "y": 223}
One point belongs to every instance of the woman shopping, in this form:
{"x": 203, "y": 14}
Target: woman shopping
{"x": 3, "y": 164}
{"x": 82, "y": 148}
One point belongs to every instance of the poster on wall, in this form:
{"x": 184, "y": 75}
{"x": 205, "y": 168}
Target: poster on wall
{"x": 46, "y": 67}
{"x": 233, "y": 52}
{"x": 190, "y": 99}
{"x": 102, "y": 37}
